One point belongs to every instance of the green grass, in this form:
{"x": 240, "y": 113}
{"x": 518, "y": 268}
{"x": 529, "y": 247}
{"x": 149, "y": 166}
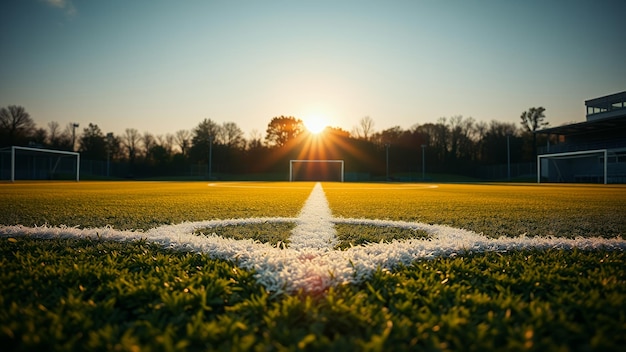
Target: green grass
{"x": 348, "y": 235}
{"x": 356, "y": 235}
{"x": 70, "y": 294}
{"x": 56, "y": 295}
{"x": 494, "y": 210}
{"x": 142, "y": 205}
{"x": 272, "y": 233}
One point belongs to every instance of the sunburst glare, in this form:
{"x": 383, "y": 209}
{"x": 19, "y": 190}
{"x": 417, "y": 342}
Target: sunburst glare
{"x": 316, "y": 123}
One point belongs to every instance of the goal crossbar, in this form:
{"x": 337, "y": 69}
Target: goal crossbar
{"x": 51, "y": 151}
{"x": 291, "y": 162}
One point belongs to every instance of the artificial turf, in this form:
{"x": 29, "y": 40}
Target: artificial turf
{"x": 77, "y": 294}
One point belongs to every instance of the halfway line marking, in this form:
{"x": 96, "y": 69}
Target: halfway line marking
{"x": 314, "y": 229}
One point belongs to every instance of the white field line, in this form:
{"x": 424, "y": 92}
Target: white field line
{"x": 314, "y": 229}
{"x": 313, "y": 267}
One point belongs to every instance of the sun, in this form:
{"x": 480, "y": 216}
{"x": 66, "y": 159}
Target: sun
{"x": 315, "y": 124}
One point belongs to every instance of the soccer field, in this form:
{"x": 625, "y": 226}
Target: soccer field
{"x": 339, "y": 266}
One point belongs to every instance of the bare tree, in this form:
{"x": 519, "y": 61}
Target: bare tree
{"x": 53, "y": 134}
{"x": 183, "y": 140}
{"x": 130, "y": 140}
{"x": 232, "y": 135}
{"x": 58, "y": 139}
{"x": 166, "y": 142}
{"x": 461, "y": 137}
{"x": 364, "y": 129}
{"x": 255, "y": 140}
{"x": 16, "y": 125}
{"x": 148, "y": 141}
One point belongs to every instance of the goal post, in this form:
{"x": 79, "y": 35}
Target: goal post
{"x": 316, "y": 170}
{"x": 588, "y": 166}
{"x": 37, "y": 163}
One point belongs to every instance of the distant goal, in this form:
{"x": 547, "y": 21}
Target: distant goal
{"x": 25, "y": 163}
{"x": 589, "y": 166}
{"x": 316, "y": 170}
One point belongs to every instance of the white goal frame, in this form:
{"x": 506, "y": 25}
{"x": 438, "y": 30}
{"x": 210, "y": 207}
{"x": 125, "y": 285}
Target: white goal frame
{"x": 291, "y": 162}
{"x": 604, "y": 152}
{"x": 51, "y": 151}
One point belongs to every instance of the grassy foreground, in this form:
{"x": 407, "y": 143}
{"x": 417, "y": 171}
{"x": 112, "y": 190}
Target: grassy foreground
{"x": 94, "y": 295}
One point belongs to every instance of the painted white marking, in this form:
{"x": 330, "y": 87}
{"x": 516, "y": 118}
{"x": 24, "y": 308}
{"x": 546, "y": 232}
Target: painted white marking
{"x": 382, "y": 187}
{"x": 310, "y": 264}
{"x": 315, "y": 229}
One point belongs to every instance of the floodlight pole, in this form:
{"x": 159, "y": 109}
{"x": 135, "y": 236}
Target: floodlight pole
{"x": 423, "y": 162}
{"x": 74, "y": 126}
{"x": 12, "y": 164}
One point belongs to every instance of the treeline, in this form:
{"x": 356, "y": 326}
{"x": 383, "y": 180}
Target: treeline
{"x": 455, "y": 145}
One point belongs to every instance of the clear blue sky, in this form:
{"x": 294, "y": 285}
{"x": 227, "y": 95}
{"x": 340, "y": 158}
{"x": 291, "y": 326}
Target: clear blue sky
{"x": 162, "y": 66}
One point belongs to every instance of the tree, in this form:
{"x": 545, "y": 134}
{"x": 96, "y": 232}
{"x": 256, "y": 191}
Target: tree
{"x": 364, "y": 129}
{"x": 167, "y": 142}
{"x": 93, "y": 143}
{"x": 206, "y": 131}
{"x": 439, "y": 139}
{"x": 461, "y": 133}
{"x": 149, "y": 142}
{"x": 232, "y": 135}
{"x": 256, "y": 140}
{"x": 533, "y": 120}
{"x": 157, "y": 154}
{"x": 388, "y": 136}
{"x": 130, "y": 140}
{"x": 283, "y": 129}
{"x": 54, "y": 134}
{"x": 204, "y": 137}
{"x": 495, "y": 140}
{"x": 183, "y": 140}
{"x": 39, "y": 137}
{"x": 16, "y": 126}
{"x": 114, "y": 147}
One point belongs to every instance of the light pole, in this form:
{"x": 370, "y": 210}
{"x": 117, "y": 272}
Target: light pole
{"x": 423, "y": 162}
{"x": 74, "y": 126}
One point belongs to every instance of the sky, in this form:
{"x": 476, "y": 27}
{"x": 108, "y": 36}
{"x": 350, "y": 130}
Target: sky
{"x": 165, "y": 65}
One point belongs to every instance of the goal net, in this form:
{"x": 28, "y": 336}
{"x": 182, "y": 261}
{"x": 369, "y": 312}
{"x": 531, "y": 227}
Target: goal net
{"x": 316, "y": 170}
{"x": 588, "y": 166}
{"x": 25, "y": 163}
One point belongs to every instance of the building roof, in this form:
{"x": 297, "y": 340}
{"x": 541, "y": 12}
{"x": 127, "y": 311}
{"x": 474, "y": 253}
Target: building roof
{"x": 607, "y": 100}
{"x": 593, "y": 126}
{"x": 608, "y": 106}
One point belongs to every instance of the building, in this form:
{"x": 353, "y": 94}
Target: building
{"x": 593, "y": 151}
